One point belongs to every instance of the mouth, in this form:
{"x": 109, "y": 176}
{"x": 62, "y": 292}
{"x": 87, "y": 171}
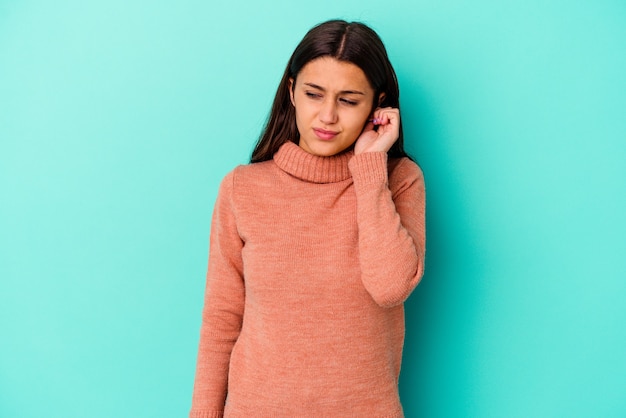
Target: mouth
{"x": 323, "y": 134}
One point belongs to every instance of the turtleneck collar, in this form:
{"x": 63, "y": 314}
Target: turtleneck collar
{"x": 313, "y": 168}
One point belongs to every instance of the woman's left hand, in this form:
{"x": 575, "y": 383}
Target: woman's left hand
{"x": 388, "y": 121}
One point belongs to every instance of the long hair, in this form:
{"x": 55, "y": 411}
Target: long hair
{"x": 351, "y": 42}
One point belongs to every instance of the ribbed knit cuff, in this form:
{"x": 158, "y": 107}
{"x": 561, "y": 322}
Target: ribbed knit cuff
{"x": 206, "y": 414}
{"x": 369, "y": 167}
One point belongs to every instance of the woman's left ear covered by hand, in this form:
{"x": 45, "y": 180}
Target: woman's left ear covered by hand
{"x": 380, "y": 132}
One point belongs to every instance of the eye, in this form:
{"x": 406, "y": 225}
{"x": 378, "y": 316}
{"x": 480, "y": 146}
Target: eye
{"x": 348, "y": 102}
{"x": 312, "y": 95}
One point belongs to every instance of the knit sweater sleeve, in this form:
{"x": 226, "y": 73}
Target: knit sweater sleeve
{"x": 223, "y": 308}
{"x": 391, "y": 226}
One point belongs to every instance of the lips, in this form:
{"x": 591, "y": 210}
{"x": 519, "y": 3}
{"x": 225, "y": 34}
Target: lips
{"x": 323, "y": 134}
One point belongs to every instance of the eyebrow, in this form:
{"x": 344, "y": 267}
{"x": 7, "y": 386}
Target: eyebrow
{"x": 315, "y": 86}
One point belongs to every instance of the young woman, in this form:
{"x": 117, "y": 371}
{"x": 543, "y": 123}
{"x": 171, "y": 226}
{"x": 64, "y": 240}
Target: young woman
{"x": 315, "y": 245}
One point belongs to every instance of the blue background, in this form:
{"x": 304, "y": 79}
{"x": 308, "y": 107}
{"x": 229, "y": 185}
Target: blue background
{"x": 118, "y": 120}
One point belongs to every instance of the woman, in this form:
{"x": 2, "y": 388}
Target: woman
{"x": 315, "y": 245}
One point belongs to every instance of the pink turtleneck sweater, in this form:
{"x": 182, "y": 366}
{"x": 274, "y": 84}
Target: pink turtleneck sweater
{"x": 311, "y": 259}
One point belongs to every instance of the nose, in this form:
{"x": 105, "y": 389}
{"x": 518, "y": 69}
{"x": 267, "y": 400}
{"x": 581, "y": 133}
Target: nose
{"x": 328, "y": 112}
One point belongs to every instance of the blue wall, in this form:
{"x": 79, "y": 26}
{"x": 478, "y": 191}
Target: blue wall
{"x": 118, "y": 120}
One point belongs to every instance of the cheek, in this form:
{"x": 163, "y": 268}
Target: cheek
{"x": 358, "y": 121}
{"x": 353, "y": 131}
{"x": 303, "y": 110}
{"x": 302, "y": 120}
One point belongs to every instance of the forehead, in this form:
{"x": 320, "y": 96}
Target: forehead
{"x": 334, "y": 75}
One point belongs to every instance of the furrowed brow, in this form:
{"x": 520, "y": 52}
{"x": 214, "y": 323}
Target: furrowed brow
{"x": 315, "y": 86}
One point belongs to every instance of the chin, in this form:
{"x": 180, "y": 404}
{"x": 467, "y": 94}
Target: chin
{"x": 327, "y": 152}
{"x": 325, "y": 149}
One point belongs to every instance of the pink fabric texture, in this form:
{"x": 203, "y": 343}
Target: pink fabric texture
{"x": 310, "y": 261}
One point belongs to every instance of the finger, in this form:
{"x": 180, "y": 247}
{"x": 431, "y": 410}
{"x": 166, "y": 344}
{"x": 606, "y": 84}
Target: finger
{"x": 390, "y": 116}
{"x": 383, "y": 115}
{"x": 369, "y": 126}
{"x": 383, "y": 118}
{"x": 375, "y": 115}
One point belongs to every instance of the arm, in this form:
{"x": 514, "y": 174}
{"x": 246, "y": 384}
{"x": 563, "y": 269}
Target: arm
{"x": 223, "y": 308}
{"x": 391, "y": 224}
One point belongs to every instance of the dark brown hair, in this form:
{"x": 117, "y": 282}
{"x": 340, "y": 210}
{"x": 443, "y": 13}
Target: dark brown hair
{"x": 351, "y": 42}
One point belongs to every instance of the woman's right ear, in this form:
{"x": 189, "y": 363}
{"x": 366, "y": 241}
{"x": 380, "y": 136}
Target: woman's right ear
{"x": 291, "y": 87}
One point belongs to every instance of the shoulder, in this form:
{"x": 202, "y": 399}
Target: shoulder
{"x": 404, "y": 173}
{"x": 242, "y": 175}
{"x": 249, "y": 179}
{"x": 404, "y": 166}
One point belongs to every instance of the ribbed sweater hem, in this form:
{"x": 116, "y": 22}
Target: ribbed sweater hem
{"x": 260, "y": 413}
{"x": 206, "y": 414}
